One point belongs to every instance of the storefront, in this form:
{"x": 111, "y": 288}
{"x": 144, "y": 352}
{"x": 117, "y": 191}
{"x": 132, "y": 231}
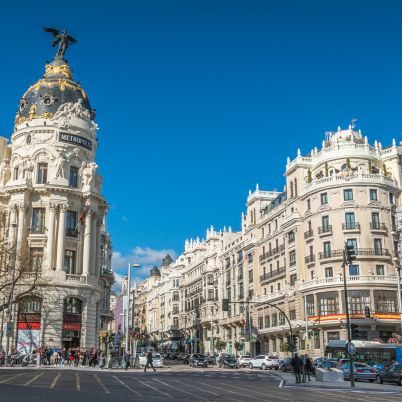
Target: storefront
{"x": 28, "y": 324}
{"x": 72, "y": 321}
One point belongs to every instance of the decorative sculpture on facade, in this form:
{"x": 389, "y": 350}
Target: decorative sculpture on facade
{"x": 5, "y": 172}
{"x": 87, "y": 172}
{"x": 59, "y": 164}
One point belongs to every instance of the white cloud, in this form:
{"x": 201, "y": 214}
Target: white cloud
{"x": 147, "y": 257}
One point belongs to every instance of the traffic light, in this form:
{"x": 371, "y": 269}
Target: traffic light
{"x": 225, "y": 304}
{"x": 367, "y": 312}
{"x": 350, "y": 253}
{"x": 355, "y": 331}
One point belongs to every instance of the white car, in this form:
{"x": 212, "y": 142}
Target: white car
{"x": 264, "y": 362}
{"x": 157, "y": 360}
{"x": 244, "y": 361}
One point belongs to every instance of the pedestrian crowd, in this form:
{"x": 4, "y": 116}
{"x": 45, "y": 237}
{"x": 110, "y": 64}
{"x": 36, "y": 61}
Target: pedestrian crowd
{"x": 302, "y": 367}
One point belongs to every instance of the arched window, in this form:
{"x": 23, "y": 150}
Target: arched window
{"x": 72, "y": 305}
{"x": 291, "y": 189}
{"x": 29, "y": 305}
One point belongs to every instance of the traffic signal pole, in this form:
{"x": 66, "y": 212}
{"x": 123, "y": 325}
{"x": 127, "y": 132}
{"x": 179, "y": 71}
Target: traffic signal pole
{"x": 346, "y": 260}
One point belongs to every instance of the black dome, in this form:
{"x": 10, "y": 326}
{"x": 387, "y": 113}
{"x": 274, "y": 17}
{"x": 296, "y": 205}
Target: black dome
{"x": 155, "y": 271}
{"x": 57, "y": 87}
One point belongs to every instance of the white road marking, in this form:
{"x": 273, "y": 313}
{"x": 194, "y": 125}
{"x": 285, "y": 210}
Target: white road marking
{"x": 260, "y": 394}
{"x": 101, "y": 384}
{"x": 33, "y": 379}
{"x": 127, "y": 386}
{"x": 77, "y": 378}
{"x": 54, "y": 382}
{"x": 199, "y": 389}
{"x": 153, "y": 388}
{"x": 11, "y": 378}
{"x": 184, "y": 392}
{"x": 224, "y": 390}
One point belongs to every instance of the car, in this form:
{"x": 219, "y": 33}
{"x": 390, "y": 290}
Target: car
{"x": 286, "y": 364}
{"x": 391, "y": 374}
{"x": 361, "y": 371}
{"x": 220, "y": 358}
{"x": 229, "y": 361}
{"x": 157, "y": 360}
{"x": 211, "y": 359}
{"x": 186, "y": 359}
{"x": 264, "y": 361}
{"x": 197, "y": 360}
{"x": 244, "y": 361}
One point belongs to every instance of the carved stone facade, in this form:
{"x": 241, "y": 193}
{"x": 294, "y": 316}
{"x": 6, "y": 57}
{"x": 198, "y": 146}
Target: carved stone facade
{"x": 50, "y": 195}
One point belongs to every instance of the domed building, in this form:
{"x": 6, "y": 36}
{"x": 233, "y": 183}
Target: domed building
{"x": 52, "y": 216}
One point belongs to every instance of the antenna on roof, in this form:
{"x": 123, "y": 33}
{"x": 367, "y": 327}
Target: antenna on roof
{"x": 353, "y": 124}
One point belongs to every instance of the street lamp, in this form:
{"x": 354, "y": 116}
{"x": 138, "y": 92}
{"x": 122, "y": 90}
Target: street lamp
{"x": 130, "y": 265}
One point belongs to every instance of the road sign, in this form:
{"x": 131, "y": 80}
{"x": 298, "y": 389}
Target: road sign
{"x": 9, "y": 328}
{"x": 308, "y": 346}
{"x": 351, "y": 348}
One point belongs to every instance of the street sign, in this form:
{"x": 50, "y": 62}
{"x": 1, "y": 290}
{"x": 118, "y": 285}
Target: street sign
{"x": 308, "y": 346}
{"x": 9, "y": 328}
{"x": 351, "y": 348}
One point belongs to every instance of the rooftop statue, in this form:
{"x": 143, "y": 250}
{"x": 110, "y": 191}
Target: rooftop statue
{"x": 62, "y": 39}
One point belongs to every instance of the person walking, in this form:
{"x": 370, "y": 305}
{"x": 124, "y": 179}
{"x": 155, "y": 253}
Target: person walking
{"x": 149, "y": 362}
{"x": 297, "y": 367}
{"x": 127, "y": 356}
{"x": 308, "y": 367}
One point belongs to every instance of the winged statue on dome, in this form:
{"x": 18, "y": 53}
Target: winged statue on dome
{"x": 62, "y": 39}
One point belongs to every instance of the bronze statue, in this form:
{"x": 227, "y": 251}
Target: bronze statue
{"x": 62, "y": 39}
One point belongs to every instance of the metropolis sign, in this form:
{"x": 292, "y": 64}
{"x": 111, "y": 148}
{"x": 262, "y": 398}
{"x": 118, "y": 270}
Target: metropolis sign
{"x": 76, "y": 140}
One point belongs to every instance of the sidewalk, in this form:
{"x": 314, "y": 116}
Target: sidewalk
{"x": 290, "y": 381}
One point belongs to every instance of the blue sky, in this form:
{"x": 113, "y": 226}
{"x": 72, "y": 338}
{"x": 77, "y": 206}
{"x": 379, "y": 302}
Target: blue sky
{"x": 197, "y": 101}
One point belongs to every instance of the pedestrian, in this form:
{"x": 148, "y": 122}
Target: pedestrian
{"x": 149, "y": 362}
{"x": 297, "y": 367}
{"x": 101, "y": 359}
{"x": 308, "y": 367}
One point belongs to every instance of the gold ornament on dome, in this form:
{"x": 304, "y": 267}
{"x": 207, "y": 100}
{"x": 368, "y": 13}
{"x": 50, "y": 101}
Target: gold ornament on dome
{"x": 21, "y": 119}
{"x": 61, "y": 70}
{"x": 63, "y": 84}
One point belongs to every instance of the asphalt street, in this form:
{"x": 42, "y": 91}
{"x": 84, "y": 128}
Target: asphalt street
{"x": 212, "y": 384}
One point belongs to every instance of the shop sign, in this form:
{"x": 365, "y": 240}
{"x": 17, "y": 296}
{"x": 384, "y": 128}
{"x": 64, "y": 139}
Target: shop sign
{"x": 29, "y": 325}
{"x": 71, "y": 327}
{"x": 75, "y": 140}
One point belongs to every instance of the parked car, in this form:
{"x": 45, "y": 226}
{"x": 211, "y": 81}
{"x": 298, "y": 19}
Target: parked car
{"x": 219, "y": 359}
{"x": 229, "y": 361}
{"x": 157, "y": 359}
{"x": 244, "y": 361}
{"x": 391, "y": 374}
{"x": 186, "y": 359}
{"x": 286, "y": 364}
{"x": 362, "y": 372}
{"x": 211, "y": 359}
{"x": 264, "y": 361}
{"x": 198, "y": 360}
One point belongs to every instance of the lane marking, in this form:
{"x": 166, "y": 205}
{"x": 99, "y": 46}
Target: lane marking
{"x": 33, "y": 379}
{"x": 54, "y": 382}
{"x": 77, "y": 377}
{"x": 262, "y": 395}
{"x": 11, "y": 378}
{"x": 127, "y": 386}
{"x": 225, "y": 390}
{"x": 153, "y": 388}
{"x": 199, "y": 389}
{"x": 184, "y": 392}
{"x": 101, "y": 384}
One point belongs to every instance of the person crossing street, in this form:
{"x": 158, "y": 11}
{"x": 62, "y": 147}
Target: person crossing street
{"x": 149, "y": 362}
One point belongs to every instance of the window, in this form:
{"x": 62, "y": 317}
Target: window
{"x": 71, "y": 224}
{"x": 373, "y": 195}
{"x": 175, "y": 321}
{"x": 241, "y": 290}
{"x": 375, "y": 220}
{"x": 260, "y": 322}
{"x": 310, "y": 305}
{"x": 210, "y": 295}
{"x": 308, "y": 205}
{"x": 329, "y": 272}
{"x": 312, "y": 275}
{"x": 250, "y": 276}
{"x": 379, "y": 270}
{"x": 38, "y": 220}
{"x": 292, "y": 314}
{"x": 324, "y": 198}
{"x": 325, "y": 223}
{"x": 281, "y": 319}
{"x": 36, "y": 259}
{"x": 377, "y": 247}
{"x": 72, "y": 305}
{"x": 327, "y": 249}
{"x": 328, "y": 303}
{"x": 348, "y": 194}
{"x": 29, "y": 306}
{"x": 267, "y": 321}
{"x": 69, "y": 262}
{"x": 240, "y": 272}
{"x": 175, "y": 309}
{"x": 357, "y": 300}
{"x": 391, "y": 198}
{"x": 385, "y": 301}
{"x": 42, "y": 173}
{"x": 250, "y": 257}
{"x": 354, "y": 270}
{"x": 291, "y": 237}
{"x": 333, "y": 336}
{"x": 73, "y": 178}
{"x": 350, "y": 222}
{"x": 278, "y": 286}
{"x": 228, "y": 277}
{"x": 292, "y": 258}
{"x": 293, "y": 279}
{"x": 15, "y": 173}
{"x": 274, "y": 320}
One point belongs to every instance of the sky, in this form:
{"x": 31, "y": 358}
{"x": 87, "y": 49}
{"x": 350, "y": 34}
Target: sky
{"x": 197, "y": 101}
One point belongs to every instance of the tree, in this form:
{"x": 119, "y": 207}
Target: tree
{"x": 220, "y": 345}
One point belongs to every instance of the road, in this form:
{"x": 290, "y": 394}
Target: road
{"x": 182, "y": 384}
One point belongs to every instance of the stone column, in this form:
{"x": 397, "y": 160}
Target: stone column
{"x": 61, "y": 238}
{"x": 93, "y": 244}
{"x": 86, "y": 260}
{"x": 99, "y": 222}
{"x": 20, "y": 232}
{"x": 11, "y": 224}
{"x": 50, "y": 236}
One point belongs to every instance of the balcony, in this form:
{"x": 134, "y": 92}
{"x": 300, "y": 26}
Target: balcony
{"x": 71, "y": 232}
{"x": 106, "y": 272}
{"x": 336, "y": 254}
{"x": 338, "y": 281}
{"x": 37, "y": 230}
{"x": 325, "y": 230}
{"x": 370, "y": 252}
{"x": 310, "y": 259}
{"x": 308, "y": 234}
{"x": 378, "y": 227}
{"x": 273, "y": 273}
{"x": 351, "y": 227}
